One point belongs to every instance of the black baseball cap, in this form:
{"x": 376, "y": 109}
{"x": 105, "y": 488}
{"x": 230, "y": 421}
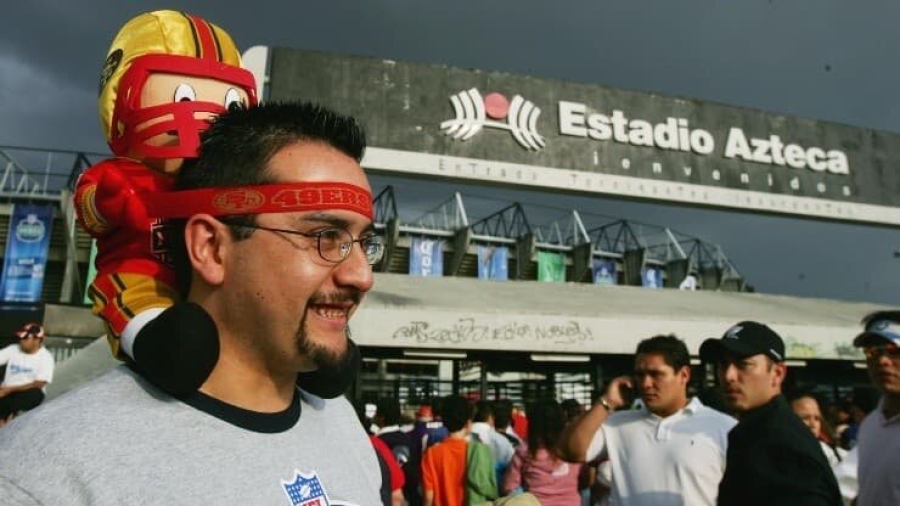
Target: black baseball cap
{"x": 744, "y": 339}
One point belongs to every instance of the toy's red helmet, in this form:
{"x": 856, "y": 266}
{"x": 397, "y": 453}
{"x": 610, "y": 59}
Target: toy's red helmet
{"x": 165, "y": 42}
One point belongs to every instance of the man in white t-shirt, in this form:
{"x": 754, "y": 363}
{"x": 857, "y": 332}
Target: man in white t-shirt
{"x": 29, "y": 369}
{"x": 671, "y": 451}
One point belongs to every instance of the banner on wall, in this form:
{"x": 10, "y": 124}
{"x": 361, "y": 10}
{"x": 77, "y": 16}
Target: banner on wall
{"x": 92, "y": 272}
{"x": 493, "y": 262}
{"x": 551, "y": 267}
{"x": 426, "y": 257}
{"x": 605, "y": 272}
{"x": 26, "y": 253}
{"x": 651, "y": 277}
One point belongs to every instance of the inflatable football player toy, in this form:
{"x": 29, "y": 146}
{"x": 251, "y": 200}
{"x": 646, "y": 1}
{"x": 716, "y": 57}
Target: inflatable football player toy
{"x": 166, "y": 76}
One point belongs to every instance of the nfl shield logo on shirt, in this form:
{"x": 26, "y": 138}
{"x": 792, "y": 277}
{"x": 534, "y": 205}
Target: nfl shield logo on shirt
{"x": 305, "y": 490}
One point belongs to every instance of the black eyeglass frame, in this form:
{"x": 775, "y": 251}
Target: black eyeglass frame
{"x": 344, "y": 247}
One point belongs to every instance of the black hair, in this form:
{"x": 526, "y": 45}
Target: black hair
{"x": 483, "y": 411}
{"x": 502, "y": 414}
{"x": 456, "y": 412}
{"x": 572, "y": 409}
{"x": 672, "y": 349}
{"x": 237, "y": 148}
{"x": 546, "y": 421}
{"x": 388, "y": 409}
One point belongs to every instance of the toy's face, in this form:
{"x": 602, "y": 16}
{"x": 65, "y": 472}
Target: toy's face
{"x": 162, "y": 89}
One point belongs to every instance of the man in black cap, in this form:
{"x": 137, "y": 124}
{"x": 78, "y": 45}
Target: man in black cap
{"x": 772, "y": 457}
{"x": 879, "y": 435}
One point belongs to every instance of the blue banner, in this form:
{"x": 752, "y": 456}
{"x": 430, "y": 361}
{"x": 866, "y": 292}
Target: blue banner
{"x": 426, "y": 257}
{"x": 26, "y": 253}
{"x": 605, "y": 272}
{"x": 493, "y": 262}
{"x": 651, "y": 277}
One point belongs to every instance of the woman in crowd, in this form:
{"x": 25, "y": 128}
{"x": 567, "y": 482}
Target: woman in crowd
{"x": 536, "y": 466}
{"x": 807, "y": 408}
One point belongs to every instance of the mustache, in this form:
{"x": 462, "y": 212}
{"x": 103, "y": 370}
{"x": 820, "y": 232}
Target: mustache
{"x": 337, "y": 297}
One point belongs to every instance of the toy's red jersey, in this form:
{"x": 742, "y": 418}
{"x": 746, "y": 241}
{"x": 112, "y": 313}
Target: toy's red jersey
{"x": 109, "y": 206}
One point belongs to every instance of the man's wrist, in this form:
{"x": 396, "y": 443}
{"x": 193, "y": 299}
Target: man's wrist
{"x": 603, "y": 402}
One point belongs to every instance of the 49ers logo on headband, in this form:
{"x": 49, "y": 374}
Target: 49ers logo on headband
{"x": 295, "y": 197}
{"x": 238, "y": 201}
{"x": 267, "y": 198}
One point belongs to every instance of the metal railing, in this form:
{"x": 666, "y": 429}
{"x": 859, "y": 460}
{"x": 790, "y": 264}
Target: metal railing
{"x": 41, "y": 173}
{"x": 64, "y": 348}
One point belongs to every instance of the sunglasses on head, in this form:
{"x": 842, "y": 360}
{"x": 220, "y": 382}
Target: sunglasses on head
{"x": 32, "y": 331}
{"x": 876, "y": 351}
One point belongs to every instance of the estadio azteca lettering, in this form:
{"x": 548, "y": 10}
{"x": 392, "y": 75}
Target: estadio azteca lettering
{"x": 676, "y": 134}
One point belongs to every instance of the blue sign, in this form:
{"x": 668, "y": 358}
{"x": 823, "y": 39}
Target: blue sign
{"x": 26, "y": 253}
{"x": 651, "y": 277}
{"x": 605, "y": 272}
{"x": 492, "y": 262}
{"x": 426, "y": 257}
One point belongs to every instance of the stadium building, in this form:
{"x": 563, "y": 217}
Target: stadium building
{"x": 477, "y": 296}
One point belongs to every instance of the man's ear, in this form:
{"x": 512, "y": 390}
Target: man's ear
{"x": 780, "y": 373}
{"x": 206, "y": 240}
{"x": 685, "y": 373}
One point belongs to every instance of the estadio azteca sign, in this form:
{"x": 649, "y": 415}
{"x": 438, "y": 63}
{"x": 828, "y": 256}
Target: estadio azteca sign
{"x": 677, "y": 134}
{"x": 507, "y": 129}
{"x": 520, "y": 117}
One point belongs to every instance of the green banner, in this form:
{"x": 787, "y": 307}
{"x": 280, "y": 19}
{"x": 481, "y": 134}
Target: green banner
{"x": 92, "y": 272}
{"x": 551, "y": 267}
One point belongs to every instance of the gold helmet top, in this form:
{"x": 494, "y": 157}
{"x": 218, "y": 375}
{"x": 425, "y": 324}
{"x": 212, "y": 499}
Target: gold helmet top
{"x": 164, "y": 41}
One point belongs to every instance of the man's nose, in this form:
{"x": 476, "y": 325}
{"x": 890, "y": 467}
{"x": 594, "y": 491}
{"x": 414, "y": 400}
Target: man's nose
{"x": 355, "y": 270}
{"x": 728, "y": 373}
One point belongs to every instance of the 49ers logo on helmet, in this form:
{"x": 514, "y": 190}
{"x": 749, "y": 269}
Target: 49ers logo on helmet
{"x": 109, "y": 68}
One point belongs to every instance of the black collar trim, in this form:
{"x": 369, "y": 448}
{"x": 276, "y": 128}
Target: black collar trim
{"x": 266, "y": 423}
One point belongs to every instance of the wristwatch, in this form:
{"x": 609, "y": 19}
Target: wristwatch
{"x": 605, "y": 404}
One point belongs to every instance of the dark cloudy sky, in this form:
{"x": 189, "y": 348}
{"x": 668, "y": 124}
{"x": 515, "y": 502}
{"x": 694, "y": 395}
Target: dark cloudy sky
{"x": 823, "y": 59}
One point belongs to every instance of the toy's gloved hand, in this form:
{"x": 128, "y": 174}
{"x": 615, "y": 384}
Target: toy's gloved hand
{"x": 117, "y": 203}
{"x": 333, "y": 383}
{"x": 178, "y": 349}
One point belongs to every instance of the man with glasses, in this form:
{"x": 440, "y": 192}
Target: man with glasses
{"x": 773, "y": 458}
{"x": 671, "y": 451}
{"x": 29, "y": 369}
{"x": 879, "y": 435}
{"x": 275, "y": 244}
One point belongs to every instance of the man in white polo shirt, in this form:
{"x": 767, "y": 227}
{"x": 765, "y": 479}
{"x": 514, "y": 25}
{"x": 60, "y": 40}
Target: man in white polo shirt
{"x": 879, "y": 435}
{"x": 29, "y": 368}
{"x": 670, "y": 452}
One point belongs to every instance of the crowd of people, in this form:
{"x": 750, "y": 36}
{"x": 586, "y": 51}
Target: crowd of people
{"x": 667, "y": 447}
{"x": 274, "y": 249}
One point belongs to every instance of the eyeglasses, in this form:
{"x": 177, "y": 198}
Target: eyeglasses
{"x": 876, "y": 352}
{"x": 334, "y": 244}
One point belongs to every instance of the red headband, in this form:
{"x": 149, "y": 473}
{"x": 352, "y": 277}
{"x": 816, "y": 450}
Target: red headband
{"x": 266, "y": 198}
